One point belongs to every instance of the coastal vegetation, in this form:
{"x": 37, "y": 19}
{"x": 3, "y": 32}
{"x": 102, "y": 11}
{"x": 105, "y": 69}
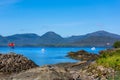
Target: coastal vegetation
{"x": 110, "y": 58}
{"x": 116, "y": 44}
{"x": 106, "y": 59}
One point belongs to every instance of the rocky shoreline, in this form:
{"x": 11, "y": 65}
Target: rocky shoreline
{"x": 18, "y": 67}
{"x": 83, "y": 55}
{"x": 14, "y": 63}
{"x": 60, "y": 72}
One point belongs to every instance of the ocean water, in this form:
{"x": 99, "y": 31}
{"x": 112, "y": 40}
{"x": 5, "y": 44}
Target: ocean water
{"x": 48, "y": 55}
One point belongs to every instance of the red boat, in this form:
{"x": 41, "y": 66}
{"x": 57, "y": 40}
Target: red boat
{"x": 11, "y": 45}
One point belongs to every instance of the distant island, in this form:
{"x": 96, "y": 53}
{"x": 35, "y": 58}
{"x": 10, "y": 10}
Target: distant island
{"x": 52, "y": 39}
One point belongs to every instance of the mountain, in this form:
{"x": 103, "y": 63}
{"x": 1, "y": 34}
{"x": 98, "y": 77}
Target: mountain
{"x": 73, "y": 38}
{"x": 30, "y": 39}
{"x": 98, "y": 38}
{"x": 3, "y": 41}
{"x": 104, "y": 33}
{"x": 24, "y": 39}
{"x": 51, "y": 38}
{"x": 51, "y": 34}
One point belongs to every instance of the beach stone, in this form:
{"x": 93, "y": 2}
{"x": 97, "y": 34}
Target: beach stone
{"x": 12, "y": 63}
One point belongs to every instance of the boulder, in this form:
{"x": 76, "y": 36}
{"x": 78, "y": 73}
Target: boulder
{"x": 83, "y": 55}
{"x": 12, "y": 63}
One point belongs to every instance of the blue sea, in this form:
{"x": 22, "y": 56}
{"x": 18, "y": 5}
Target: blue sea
{"x": 48, "y": 55}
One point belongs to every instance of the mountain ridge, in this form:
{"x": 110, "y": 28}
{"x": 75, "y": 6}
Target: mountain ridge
{"x": 98, "y": 38}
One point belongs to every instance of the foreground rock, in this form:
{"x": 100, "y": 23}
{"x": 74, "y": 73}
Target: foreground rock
{"x": 96, "y": 72}
{"x": 83, "y": 70}
{"x": 61, "y": 72}
{"x": 14, "y": 63}
{"x": 43, "y": 73}
{"x": 65, "y": 71}
{"x": 83, "y": 56}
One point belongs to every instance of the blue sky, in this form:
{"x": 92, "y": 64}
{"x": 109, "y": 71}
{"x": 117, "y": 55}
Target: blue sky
{"x": 65, "y": 17}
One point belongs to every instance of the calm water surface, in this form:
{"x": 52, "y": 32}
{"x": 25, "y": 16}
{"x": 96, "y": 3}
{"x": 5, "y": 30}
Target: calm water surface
{"x": 49, "y": 55}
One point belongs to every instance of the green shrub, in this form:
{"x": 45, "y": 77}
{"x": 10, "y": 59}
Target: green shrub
{"x": 110, "y": 59}
{"x": 116, "y": 44}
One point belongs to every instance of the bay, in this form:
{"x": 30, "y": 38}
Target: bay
{"x": 48, "y": 55}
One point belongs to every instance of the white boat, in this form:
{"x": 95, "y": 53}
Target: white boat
{"x": 93, "y": 48}
{"x": 43, "y": 50}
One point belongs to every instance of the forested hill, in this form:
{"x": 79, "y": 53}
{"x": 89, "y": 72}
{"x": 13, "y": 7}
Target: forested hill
{"x": 98, "y": 38}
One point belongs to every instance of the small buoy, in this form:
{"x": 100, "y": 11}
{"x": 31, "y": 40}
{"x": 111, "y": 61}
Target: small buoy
{"x": 93, "y": 48}
{"x": 43, "y": 50}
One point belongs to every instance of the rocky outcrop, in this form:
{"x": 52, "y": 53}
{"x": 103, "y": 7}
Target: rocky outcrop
{"x": 61, "y": 72}
{"x": 83, "y": 55}
{"x": 83, "y": 70}
{"x": 12, "y": 63}
{"x": 96, "y": 72}
{"x": 43, "y": 73}
{"x": 64, "y": 71}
